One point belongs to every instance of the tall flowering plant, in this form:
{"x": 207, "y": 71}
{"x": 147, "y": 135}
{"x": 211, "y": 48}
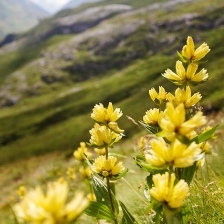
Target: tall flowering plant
{"x": 179, "y": 144}
{"x": 106, "y": 167}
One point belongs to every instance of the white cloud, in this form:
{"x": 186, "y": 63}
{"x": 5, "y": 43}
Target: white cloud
{"x": 50, "y": 5}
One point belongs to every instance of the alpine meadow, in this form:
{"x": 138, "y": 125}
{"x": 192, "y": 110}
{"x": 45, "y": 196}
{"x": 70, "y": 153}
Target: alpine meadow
{"x": 111, "y": 112}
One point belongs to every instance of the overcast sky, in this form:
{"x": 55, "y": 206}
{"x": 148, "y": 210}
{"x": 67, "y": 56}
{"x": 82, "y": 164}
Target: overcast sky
{"x": 51, "y": 5}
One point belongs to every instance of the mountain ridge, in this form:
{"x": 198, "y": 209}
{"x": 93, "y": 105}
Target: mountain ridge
{"x": 19, "y": 15}
{"x": 75, "y": 3}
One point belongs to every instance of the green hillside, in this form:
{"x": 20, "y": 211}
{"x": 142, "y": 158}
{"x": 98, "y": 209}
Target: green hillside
{"x": 17, "y": 16}
{"x": 48, "y": 90}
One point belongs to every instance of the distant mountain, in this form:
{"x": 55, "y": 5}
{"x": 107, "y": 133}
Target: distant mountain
{"x": 75, "y": 3}
{"x": 18, "y": 16}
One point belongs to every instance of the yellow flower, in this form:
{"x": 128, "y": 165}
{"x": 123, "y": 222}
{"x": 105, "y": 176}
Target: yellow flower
{"x": 191, "y": 54}
{"x": 71, "y": 173}
{"x": 85, "y": 172}
{"x": 107, "y": 167}
{"x": 79, "y": 153}
{"x": 114, "y": 127}
{"x": 107, "y": 116}
{"x": 153, "y": 116}
{"x": 142, "y": 143}
{"x": 191, "y": 135}
{"x": 205, "y": 147}
{"x": 182, "y": 96}
{"x": 158, "y": 98}
{"x": 101, "y": 136}
{"x": 178, "y": 154}
{"x": 21, "y": 191}
{"x": 200, "y": 162}
{"x": 164, "y": 190}
{"x": 50, "y": 208}
{"x": 174, "y": 121}
{"x": 100, "y": 151}
{"x": 91, "y": 197}
{"x": 188, "y": 76}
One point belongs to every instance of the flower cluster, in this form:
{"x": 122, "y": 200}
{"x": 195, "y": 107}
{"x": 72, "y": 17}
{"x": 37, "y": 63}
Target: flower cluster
{"x": 189, "y": 76}
{"x": 165, "y": 192}
{"x": 178, "y": 143}
{"x": 105, "y": 134}
{"x": 81, "y": 152}
{"x": 38, "y": 207}
{"x": 107, "y": 116}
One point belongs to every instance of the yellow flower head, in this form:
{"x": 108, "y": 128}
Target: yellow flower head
{"x": 100, "y": 151}
{"x": 153, "y": 116}
{"x": 178, "y": 154}
{"x": 188, "y": 76}
{"x": 200, "y": 162}
{"x": 101, "y": 136}
{"x": 191, "y": 54}
{"x": 71, "y": 173}
{"x": 21, "y": 191}
{"x": 158, "y": 98}
{"x": 164, "y": 190}
{"x": 37, "y": 207}
{"x": 191, "y": 135}
{"x": 80, "y": 153}
{"x": 182, "y": 96}
{"x": 91, "y": 197}
{"x": 174, "y": 121}
{"x": 143, "y": 142}
{"x": 85, "y": 172}
{"x": 205, "y": 147}
{"x": 106, "y": 167}
{"x": 107, "y": 116}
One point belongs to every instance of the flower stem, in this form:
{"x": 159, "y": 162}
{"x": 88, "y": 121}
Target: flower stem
{"x": 179, "y": 173}
{"x": 109, "y": 190}
{"x": 170, "y": 172}
{"x": 106, "y": 149}
{"x": 110, "y": 198}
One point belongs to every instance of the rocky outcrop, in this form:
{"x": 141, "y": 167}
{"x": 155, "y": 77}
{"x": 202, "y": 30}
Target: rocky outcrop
{"x": 84, "y": 20}
{"x": 112, "y": 45}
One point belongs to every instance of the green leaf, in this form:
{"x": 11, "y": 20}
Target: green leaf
{"x": 99, "y": 211}
{"x": 183, "y": 139}
{"x": 192, "y": 83}
{"x": 96, "y": 146}
{"x": 187, "y": 174}
{"x": 157, "y": 207}
{"x": 117, "y": 155}
{"x": 149, "y": 177}
{"x": 140, "y": 161}
{"x": 101, "y": 192}
{"x": 121, "y": 174}
{"x": 204, "y": 136}
{"x": 151, "y": 128}
{"x": 127, "y": 216}
{"x": 182, "y": 58}
{"x": 89, "y": 161}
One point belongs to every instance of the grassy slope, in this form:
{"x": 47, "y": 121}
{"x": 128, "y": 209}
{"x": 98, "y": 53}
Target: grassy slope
{"x": 53, "y": 123}
{"x": 15, "y": 60}
{"x": 206, "y": 196}
{"x": 67, "y": 120}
